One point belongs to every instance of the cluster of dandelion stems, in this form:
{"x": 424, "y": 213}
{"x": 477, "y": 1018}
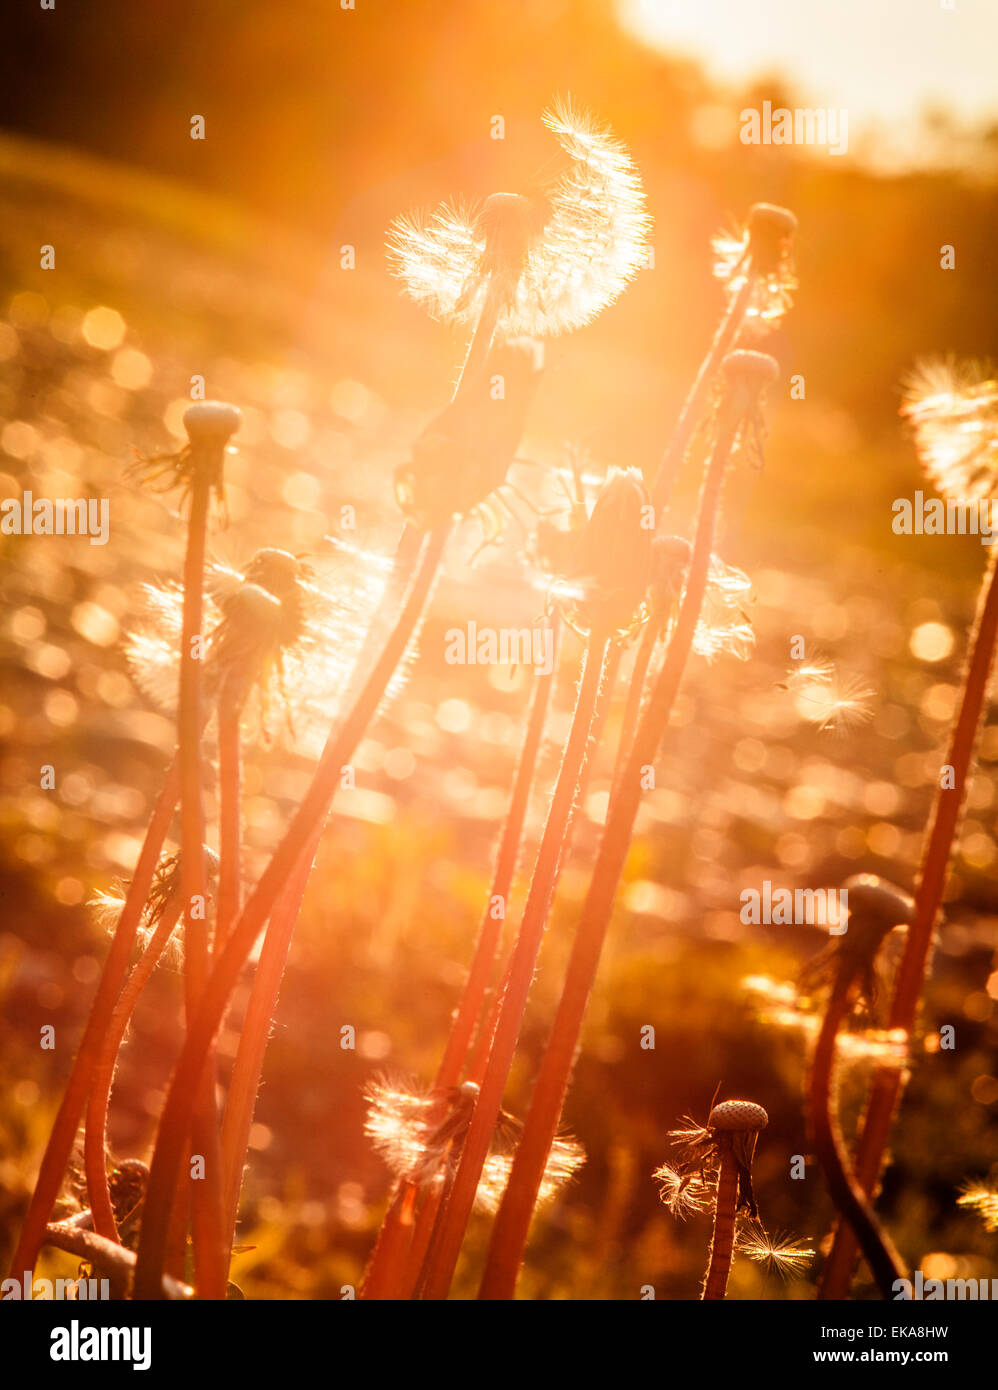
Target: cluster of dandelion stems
{"x": 514, "y": 269}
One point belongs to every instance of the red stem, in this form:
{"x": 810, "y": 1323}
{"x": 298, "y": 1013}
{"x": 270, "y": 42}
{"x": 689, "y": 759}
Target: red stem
{"x": 390, "y": 1275}
{"x": 512, "y": 1223}
{"x": 445, "y": 1249}
{"x": 888, "y": 1083}
{"x": 95, "y": 1139}
{"x": 64, "y": 1127}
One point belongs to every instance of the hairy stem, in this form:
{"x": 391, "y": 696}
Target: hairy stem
{"x": 95, "y": 1141}
{"x": 444, "y": 1251}
{"x": 209, "y": 1254}
{"x": 848, "y": 1196}
{"x": 386, "y": 1273}
{"x": 64, "y": 1127}
{"x": 248, "y": 1066}
{"x": 509, "y": 1233}
{"x": 722, "y": 1243}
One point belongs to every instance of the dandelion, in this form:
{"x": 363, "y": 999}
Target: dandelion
{"x": 684, "y": 1195}
{"x": 762, "y": 251}
{"x": 876, "y": 906}
{"x": 419, "y": 1135}
{"x": 715, "y": 1164}
{"x": 604, "y": 584}
{"x": 460, "y": 460}
{"x": 724, "y": 626}
{"x": 825, "y": 698}
{"x": 981, "y": 1198}
{"x": 953, "y": 409}
{"x": 781, "y": 1254}
{"x": 278, "y": 637}
{"x": 209, "y": 425}
{"x": 549, "y": 263}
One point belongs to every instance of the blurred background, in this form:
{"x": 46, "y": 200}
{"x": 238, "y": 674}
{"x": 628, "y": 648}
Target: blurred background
{"x": 225, "y": 257}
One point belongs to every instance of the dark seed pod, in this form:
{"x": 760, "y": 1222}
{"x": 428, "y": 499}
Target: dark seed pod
{"x": 771, "y": 231}
{"x": 463, "y": 455}
{"x": 612, "y": 565}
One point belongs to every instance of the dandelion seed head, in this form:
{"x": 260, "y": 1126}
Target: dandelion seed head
{"x": 606, "y": 585}
{"x": 953, "y": 410}
{"x": 826, "y": 699}
{"x": 685, "y": 1196}
{"x": 981, "y": 1198}
{"x": 289, "y": 637}
{"x": 762, "y": 249}
{"x": 555, "y": 261}
{"x": 782, "y": 1254}
{"x": 723, "y": 626}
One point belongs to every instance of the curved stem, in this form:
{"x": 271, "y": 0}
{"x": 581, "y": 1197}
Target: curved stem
{"x": 445, "y": 1249}
{"x": 95, "y": 1139}
{"x": 64, "y": 1127}
{"x": 888, "y": 1083}
{"x": 722, "y": 1242}
{"x": 848, "y": 1196}
{"x": 509, "y": 1234}
{"x": 175, "y": 1119}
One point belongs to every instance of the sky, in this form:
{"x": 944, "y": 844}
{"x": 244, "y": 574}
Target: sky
{"x": 882, "y": 60}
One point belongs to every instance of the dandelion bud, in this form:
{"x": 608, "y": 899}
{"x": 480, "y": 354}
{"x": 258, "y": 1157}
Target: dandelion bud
{"x": 877, "y": 898}
{"x": 463, "y": 455}
{"x": 746, "y": 374}
{"x": 613, "y": 564}
{"x": 211, "y": 423}
{"x": 770, "y": 231}
{"x": 247, "y": 639}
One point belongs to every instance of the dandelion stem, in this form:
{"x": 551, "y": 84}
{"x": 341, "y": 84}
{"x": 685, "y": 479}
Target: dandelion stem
{"x": 175, "y": 1119}
{"x": 64, "y": 1127}
{"x": 696, "y": 400}
{"x": 481, "y": 339}
{"x": 209, "y": 1254}
{"x": 888, "y": 1083}
{"x": 635, "y": 693}
{"x": 229, "y": 820}
{"x": 489, "y": 938}
{"x": 444, "y": 1251}
{"x": 107, "y": 1255}
{"x": 95, "y": 1140}
{"x": 378, "y": 1281}
{"x": 244, "y": 1083}
{"x": 722, "y": 1242}
{"x": 512, "y": 1223}
{"x": 846, "y": 1192}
